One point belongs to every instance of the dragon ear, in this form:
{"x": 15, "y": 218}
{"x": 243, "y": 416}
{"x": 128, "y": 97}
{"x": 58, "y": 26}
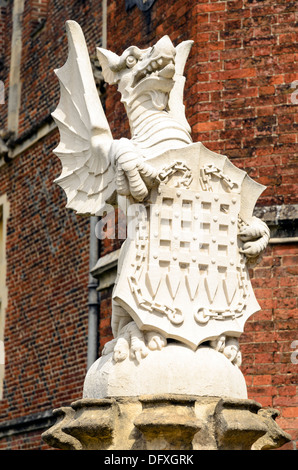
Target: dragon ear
{"x": 182, "y": 53}
{"x": 109, "y": 62}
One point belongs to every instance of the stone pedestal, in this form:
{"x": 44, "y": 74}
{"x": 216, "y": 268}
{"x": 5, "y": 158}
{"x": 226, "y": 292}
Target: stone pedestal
{"x": 196, "y": 400}
{"x": 165, "y": 422}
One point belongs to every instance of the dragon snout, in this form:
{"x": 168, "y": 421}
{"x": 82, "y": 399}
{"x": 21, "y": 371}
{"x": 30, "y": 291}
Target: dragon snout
{"x": 158, "y": 61}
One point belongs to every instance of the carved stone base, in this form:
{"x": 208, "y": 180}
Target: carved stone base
{"x": 165, "y": 422}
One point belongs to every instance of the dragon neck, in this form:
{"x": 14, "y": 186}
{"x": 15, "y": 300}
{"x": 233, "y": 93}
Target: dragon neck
{"x": 153, "y": 129}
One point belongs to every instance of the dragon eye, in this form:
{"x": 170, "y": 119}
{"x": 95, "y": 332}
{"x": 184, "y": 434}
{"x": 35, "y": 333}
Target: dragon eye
{"x": 131, "y": 61}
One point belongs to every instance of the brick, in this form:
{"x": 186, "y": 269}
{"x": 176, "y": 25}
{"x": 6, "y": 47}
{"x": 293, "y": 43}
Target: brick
{"x": 262, "y": 380}
{"x": 268, "y": 90}
{"x": 208, "y": 126}
{"x": 234, "y": 74}
{"x": 203, "y": 8}
{"x": 210, "y": 86}
{"x": 202, "y": 18}
{"x": 289, "y": 260}
{"x": 290, "y": 412}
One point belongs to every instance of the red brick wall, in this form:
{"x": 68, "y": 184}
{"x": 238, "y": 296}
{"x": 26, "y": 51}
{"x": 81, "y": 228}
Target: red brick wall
{"x": 239, "y": 75}
{"x": 46, "y": 50}
{"x": 28, "y": 441}
{"x": 2, "y": 31}
{"x": 5, "y": 31}
{"x": 268, "y": 342}
{"x": 47, "y": 245}
{"x": 47, "y": 263}
{"x": 238, "y": 102}
{"x": 39, "y": 10}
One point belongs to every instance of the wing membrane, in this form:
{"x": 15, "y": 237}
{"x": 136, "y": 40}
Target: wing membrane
{"x": 87, "y": 175}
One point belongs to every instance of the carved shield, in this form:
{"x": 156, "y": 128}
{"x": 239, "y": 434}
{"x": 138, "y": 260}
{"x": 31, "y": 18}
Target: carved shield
{"x": 184, "y": 274}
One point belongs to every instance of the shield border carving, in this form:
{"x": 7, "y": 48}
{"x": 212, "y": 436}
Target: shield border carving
{"x": 211, "y": 175}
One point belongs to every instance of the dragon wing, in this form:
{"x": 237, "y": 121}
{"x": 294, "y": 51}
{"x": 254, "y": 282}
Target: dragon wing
{"x": 87, "y": 175}
{"x": 176, "y": 106}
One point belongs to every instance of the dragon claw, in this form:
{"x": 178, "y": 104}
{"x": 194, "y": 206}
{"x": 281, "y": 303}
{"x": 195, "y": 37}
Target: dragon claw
{"x": 121, "y": 350}
{"x": 139, "y": 352}
{"x": 132, "y": 343}
{"x": 229, "y": 347}
{"x": 155, "y": 341}
{"x": 255, "y": 238}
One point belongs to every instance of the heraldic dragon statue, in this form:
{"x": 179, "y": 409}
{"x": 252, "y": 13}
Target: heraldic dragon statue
{"x": 183, "y": 276}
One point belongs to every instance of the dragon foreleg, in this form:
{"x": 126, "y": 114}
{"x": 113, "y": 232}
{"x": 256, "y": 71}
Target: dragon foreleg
{"x": 255, "y": 238}
{"x": 133, "y": 175}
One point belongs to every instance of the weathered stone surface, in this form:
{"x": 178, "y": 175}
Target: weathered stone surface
{"x": 168, "y": 423}
{"x": 56, "y": 436}
{"x": 165, "y": 422}
{"x": 237, "y": 424}
{"x": 275, "y": 437}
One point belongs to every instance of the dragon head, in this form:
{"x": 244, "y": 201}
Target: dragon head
{"x": 138, "y": 71}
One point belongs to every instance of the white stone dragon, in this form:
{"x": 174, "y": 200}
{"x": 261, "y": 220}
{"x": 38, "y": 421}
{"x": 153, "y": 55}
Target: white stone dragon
{"x": 95, "y": 166}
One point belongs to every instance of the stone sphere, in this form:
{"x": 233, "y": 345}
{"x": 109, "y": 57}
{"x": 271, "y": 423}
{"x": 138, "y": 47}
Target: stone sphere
{"x": 176, "y": 369}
